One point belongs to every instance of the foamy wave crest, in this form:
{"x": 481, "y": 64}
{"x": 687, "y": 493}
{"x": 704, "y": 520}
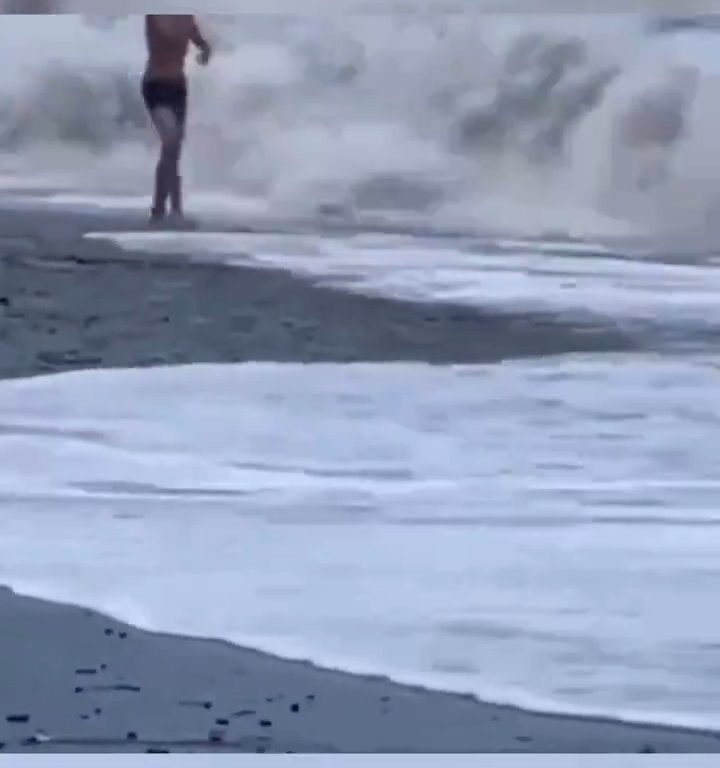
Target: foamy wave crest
{"x": 513, "y": 122}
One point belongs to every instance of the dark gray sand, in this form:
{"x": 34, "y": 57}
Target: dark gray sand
{"x": 66, "y": 304}
{"x": 91, "y": 684}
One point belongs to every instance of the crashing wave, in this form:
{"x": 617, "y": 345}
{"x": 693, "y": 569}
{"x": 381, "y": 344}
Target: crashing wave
{"x": 433, "y": 114}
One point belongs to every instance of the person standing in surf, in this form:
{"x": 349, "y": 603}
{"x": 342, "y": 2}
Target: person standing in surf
{"x": 165, "y": 93}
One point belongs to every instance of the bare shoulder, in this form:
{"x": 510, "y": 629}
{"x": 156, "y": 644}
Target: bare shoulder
{"x": 170, "y": 25}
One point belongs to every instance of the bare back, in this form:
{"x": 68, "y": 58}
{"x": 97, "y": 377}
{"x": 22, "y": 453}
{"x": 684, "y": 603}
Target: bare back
{"x": 168, "y": 40}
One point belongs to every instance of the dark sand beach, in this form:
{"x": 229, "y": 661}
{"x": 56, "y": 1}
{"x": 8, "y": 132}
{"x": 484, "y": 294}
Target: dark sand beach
{"x": 73, "y": 680}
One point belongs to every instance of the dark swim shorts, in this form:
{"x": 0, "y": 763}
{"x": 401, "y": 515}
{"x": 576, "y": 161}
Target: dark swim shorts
{"x": 171, "y": 94}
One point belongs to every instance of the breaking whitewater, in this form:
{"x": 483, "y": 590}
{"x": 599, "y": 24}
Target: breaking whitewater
{"x": 592, "y": 125}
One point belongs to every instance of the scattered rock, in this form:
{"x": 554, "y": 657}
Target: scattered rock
{"x": 87, "y": 671}
{"x": 310, "y": 697}
{"x": 156, "y": 751}
{"x": 103, "y": 667}
{"x": 648, "y": 749}
{"x": 98, "y": 711}
{"x": 266, "y": 723}
{"x": 244, "y": 713}
{"x": 79, "y": 689}
{"x": 216, "y": 736}
{"x": 109, "y": 632}
{"x": 222, "y": 721}
{"x": 523, "y": 739}
{"x": 294, "y": 707}
{"x": 18, "y": 718}
{"x": 119, "y": 687}
{"x": 122, "y": 635}
{"x": 132, "y": 736}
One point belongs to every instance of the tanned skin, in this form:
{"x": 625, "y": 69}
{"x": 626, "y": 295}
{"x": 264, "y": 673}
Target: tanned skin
{"x": 165, "y": 90}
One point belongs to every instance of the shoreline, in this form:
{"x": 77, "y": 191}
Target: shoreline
{"x": 108, "y": 686}
{"x": 71, "y": 304}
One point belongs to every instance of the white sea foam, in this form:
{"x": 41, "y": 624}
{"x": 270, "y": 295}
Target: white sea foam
{"x": 505, "y": 274}
{"x": 540, "y": 533}
{"x": 503, "y": 122}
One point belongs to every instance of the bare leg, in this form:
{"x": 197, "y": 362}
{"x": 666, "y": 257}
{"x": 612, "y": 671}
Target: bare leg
{"x": 175, "y": 180}
{"x": 167, "y": 179}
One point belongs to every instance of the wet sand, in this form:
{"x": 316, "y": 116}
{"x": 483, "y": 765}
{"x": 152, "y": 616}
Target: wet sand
{"x": 88, "y": 683}
{"x": 68, "y": 303}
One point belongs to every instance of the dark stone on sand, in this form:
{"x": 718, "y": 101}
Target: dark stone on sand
{"x": 244, "y": 713}
{"x": 131, "y": 736}
{"x": 222, "y": 721}
{"x": 2, "y": 745}
{"x": 216, "y": 736}
{"x": 103, "y": 667}
{"x": 207, "y": 704}
{"x": 109, "y": 632}
{"x": 266, "y": 723}
{"x": 156, "y": 751}
{"x": 294, "y": 707}
{"x": 79, "y": 689}
{"x": 648, "y": 749}
{"x": 87, "y": 671}
{"x": 122, "y": 635}
{"x": 98, "y": 711}
{"x": 18, "y": 718}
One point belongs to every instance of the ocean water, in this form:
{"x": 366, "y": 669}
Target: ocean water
{"x": 538, "y": 532}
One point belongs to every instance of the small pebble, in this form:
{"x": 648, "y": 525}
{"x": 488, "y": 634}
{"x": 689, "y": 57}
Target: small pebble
{"x": 215, "y": 736}
{"x": 648, "y": 749}
{"x": 84, "y": 717}
{"x": 122, "y": 635}
{"x": 2, "y": 745}
{"x": 266, "y": 723}
{"x": 98, "y": 711}
{"x": 18, "y": 718}
{"x": 132, "y": 736}
{"x": 260, "y": 750}
{"x": 310, "y": 697}
{"x": 103, "y": 667}
{"x": 244, "y": 713}
{"x": 294, "y": 707}
{"x": 207, "y": 705}
{"x": 222, "y": 721}
{"x": 79, "y": 689}
{"x": 86, "y": 671}
{"x": 156, "y": 751}
{"x": 108, "y": 632}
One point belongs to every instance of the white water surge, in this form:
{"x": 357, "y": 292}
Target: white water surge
{"x": 576, "y": 124}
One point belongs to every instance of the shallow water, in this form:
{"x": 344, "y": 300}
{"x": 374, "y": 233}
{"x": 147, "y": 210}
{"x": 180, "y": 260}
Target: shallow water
{"x": 543, "y": 533}
{"x": 540, "y": 532}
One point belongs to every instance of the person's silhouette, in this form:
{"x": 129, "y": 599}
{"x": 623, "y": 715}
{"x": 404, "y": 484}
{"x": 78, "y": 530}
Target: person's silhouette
{"x": 165, "y": 92}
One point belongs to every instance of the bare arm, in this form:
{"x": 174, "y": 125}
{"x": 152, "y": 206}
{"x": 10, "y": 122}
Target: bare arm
{"x": 198, "y": 39}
